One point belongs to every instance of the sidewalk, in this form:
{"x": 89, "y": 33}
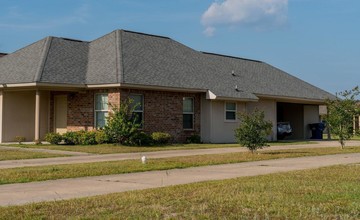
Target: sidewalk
{"x": 17, "y": 194}
{"x": 90, "y": 158}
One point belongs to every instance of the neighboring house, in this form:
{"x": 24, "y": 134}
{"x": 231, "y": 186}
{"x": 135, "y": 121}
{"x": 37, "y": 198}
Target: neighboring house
{"x": 59, "y": 84}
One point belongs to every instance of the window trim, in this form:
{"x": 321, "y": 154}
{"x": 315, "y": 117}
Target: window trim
{"x": 189, "y": 113}
{"x": 142, "y": 105}
{"x": 95, "y": 110}
{"x": 225, "y": 111}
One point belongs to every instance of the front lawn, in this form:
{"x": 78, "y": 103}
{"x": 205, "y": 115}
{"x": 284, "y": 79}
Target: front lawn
{"x": 30, "y": 174}
{"x": 111, "y": 148}
{"x": 19, "y": 155}
{"x": 325, "y": 193}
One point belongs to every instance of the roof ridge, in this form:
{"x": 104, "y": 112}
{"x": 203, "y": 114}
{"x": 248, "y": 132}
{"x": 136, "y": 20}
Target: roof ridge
{"x": 43, "y": 58}
{"x": 240, "y": 58}
{"x": 74, "y": 40}
{"x": 119, "y": 56}
{"x": 141, "y": 33}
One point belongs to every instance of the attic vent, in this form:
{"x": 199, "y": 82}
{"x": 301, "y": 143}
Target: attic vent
{"x": 233, "y": 73}
{"x": 237, "y": 89}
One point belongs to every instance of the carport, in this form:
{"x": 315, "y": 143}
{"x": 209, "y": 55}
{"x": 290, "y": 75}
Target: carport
{"x": 300, "y": 116}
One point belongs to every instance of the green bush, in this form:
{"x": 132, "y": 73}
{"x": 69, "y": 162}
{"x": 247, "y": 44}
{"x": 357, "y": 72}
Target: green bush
{"x": 193, "y": 139}
{"x": 141, "y": 139}
{"x": 53, "y": 138}
{"x": 87, "y": 137}
{"x": 19, "y": 139}
{"x": 71, "y": 137}
{"x": 122, "y": 124}
{"x": 101, "y": 137}
{"x": 253, "y": 130}
{"x": 161, "y": 137}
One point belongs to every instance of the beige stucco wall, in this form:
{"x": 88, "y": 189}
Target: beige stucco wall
{"x": 205, "y": 126}
{"x": 269, "y": 108}
{"x": 311, "y": 115}
{"x": 19, "y": 115}
{"x": 214, "y": 128}
{"x": 44, "y": 113}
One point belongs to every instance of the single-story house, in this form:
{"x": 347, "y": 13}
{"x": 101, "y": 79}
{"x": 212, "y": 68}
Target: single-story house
{"x": 59, "y": 84}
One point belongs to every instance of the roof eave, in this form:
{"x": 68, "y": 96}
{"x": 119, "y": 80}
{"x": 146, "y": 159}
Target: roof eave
{"x": 293, "y": 99}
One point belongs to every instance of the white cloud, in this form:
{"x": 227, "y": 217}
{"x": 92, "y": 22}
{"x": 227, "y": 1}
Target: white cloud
{"x": 257, "y": 14}
{"x": 209, "y": 31}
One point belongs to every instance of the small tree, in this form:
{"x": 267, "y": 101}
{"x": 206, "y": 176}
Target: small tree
{"x": 122, "y": 124}
{"x": 253, "y": 130}
{"x": 340, "y": 114}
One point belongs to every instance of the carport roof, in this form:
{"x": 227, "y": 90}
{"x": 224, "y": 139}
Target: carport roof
{"x": 126, "y": 57}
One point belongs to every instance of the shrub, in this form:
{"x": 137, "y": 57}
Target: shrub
{"x": 193, "y": 139}
{"x": 87, "y": 137}
{"x": 253, "y": 130}
{"x": 53, "y": 138}
{"x": 161, "y": 137}
{"x": 71, "y": 137}
{"x": 101, "y": 137}
{"x": 141, "y": 139}
{"x": 341, "y": 112}
{"x": 19, "y": 139}
{"x": 122, "y": 124}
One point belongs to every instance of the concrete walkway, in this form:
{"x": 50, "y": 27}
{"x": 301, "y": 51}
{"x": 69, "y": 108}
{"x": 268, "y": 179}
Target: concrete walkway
{"x": 156, "y": 154}
{"x": 17, "y": 194}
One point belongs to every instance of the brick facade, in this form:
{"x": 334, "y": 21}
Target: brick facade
{"x": 162, "y": 110}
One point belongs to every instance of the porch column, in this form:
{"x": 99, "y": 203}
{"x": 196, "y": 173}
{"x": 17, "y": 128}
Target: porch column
{"x": 1, "y": 115}
{"x": 37, "y": 115}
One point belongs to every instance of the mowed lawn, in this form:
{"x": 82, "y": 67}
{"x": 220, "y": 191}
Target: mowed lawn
{"x": 41, "y": 173}
{"x": 326, "y": 193}
{"x": 111, "y": 148}
{"x": 19, "y": 155}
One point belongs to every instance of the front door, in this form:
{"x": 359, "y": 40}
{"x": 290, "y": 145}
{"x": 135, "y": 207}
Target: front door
{"x": 60, "y": 112}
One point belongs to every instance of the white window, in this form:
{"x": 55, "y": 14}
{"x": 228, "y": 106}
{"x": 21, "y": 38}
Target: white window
{"x": 230, "y": 111}
{"x": 101, "y": 109}
{"x": 137, "y": 102}
{"x": 188, "y": 113}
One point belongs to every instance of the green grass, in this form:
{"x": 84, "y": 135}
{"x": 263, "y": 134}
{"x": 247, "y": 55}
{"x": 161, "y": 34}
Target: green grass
{"x": 325, "y": 193}
{"x": 334, "y": 137}
{"x": 30, "y": 174}
{"x": 19, "y": 155}
{"x": 110, "y": 148}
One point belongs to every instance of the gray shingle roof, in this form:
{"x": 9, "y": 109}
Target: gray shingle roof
{"x": 139, "y": 59}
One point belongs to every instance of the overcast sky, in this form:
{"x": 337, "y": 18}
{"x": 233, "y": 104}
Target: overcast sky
{"x": 315, "y": 40}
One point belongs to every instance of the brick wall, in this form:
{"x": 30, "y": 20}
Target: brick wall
{"x": 162, "y": 110}
{"x": 80, "y": 115}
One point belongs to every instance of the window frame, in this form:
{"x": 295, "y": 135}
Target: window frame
{"x": 189, "y": 113}
{"x": 142, "y": 107}
{"x": 226, "y": 110}
{"x": 95, "y": 110}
